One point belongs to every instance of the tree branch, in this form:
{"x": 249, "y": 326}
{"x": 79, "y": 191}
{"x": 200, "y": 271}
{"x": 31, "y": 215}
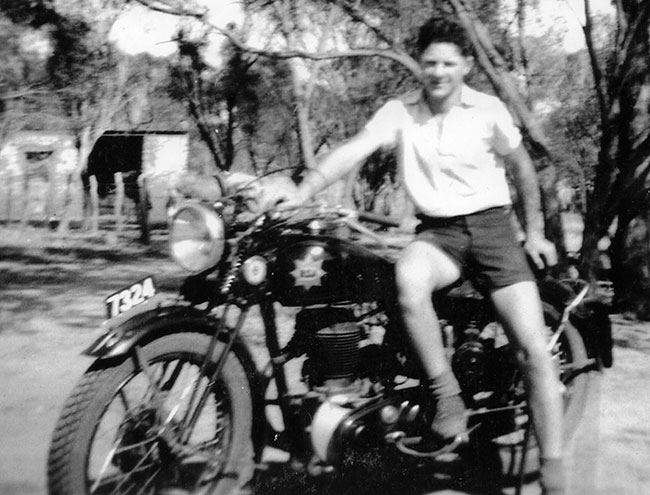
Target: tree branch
{"x": 173, "y": 7}
{"x": 288, "y": 54}
{"x": 16, "y": 95}
{"x": 597, "y": 72}
{"x": 621, "y": 26}
{"x": 626, "y": 54}
{"x": 496, "y": 69}
{"x": 355, "y": 13}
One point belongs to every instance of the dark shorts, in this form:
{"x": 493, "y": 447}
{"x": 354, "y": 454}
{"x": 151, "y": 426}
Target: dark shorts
{"x": 483, "y": 244}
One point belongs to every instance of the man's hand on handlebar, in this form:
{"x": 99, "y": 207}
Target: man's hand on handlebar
{"x": 284, "y": 197}
{"x": 288, "y": 199}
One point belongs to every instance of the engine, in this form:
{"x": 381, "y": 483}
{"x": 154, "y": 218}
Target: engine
{"x": 335, "y": 344}
{"x": 348, "y": 397}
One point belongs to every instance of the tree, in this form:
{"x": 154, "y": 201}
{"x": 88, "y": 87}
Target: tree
{"x": 242, "y": 110}
{"x": 23, "y": 81}
{"x": 91, "y": 83}
{"x": 621, "y": 75}
{"x": 378, "y": 30}
{"x": 90, "y": 76}
{"x": 388, "y": 34}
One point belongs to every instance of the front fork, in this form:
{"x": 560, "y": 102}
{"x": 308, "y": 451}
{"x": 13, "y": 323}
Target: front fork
{"x": 290, "y": 413}
{"x": 198, "y": 394}
{"x": 192, "y": 414}
{"x": 293, "y": 433}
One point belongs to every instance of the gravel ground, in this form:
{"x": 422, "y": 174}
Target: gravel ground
{"x": 51, "y": 303}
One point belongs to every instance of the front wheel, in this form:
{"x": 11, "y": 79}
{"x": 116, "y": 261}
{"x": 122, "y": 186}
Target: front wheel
{"x": 133, "y": 429}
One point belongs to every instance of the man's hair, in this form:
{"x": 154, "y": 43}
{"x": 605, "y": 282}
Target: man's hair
{"x": 443, "y": 30}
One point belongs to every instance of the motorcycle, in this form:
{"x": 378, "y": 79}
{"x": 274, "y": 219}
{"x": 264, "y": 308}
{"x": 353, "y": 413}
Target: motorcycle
{"x": 286, "y": 334}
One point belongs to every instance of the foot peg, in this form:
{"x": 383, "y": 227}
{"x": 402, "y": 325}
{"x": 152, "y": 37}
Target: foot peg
{"x": 407, "y": 445}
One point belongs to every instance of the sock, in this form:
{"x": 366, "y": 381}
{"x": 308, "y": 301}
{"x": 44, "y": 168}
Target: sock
{"x": 551, "y": 475}
{"x": 449, "y": 419}
{"x": 444, "y": 385}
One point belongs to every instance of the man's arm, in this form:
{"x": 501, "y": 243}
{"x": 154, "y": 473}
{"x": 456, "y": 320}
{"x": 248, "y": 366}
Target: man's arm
{"x": 336, "y": 164}
{"x": 538, "y": 247}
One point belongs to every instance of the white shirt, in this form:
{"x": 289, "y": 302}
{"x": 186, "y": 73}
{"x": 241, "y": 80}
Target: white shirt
{"x": 455, "y": 167}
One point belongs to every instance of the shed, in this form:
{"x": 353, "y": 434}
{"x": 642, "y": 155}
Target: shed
{"x": 35, "y": 165}
{"x": 152, "y": 158}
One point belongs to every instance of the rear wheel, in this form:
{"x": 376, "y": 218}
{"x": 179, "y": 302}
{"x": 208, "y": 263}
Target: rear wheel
{"x": 504, "y": 454}
{"x": 125, "y": 428}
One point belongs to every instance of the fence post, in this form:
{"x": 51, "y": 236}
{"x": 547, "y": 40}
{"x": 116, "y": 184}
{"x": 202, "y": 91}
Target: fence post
{"x": 119, "y": 202}
{"x": 143, "y": 209}
{"x": 10, "y": 195}
{"x": 26, "y": 211}
{"x": 94, "y": 203}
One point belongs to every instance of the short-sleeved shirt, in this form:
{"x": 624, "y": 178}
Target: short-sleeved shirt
{"x": 455, "y": 168}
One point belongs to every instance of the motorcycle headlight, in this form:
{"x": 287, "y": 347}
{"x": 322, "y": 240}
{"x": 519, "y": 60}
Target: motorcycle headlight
{"x": 196, "y": 237}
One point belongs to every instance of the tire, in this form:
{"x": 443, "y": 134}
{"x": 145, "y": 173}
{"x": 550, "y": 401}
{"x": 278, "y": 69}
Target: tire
{"x": 108, "y": 438}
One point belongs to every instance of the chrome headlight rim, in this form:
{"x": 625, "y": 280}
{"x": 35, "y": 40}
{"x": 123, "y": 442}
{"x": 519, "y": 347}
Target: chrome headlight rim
{"x": 197, "y": 239}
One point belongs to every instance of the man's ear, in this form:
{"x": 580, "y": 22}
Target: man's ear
{"x": 469, "y": 64}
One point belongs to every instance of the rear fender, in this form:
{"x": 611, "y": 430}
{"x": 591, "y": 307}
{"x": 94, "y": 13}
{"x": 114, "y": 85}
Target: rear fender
{"x": 591, "y": 318}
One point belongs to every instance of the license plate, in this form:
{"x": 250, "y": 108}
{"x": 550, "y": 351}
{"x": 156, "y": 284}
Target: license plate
{"x": 129, "y": 297}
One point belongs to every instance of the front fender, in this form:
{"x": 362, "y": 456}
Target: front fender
{"x": 158, "y": 316}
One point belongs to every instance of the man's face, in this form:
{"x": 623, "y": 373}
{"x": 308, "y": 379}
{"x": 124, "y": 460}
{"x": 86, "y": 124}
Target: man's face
{"x": 445, "y": 68}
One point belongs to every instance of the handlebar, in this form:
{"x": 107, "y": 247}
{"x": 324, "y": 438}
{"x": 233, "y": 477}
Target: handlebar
{"x": 341, "y": 212}
{"x": 379, "y": 219}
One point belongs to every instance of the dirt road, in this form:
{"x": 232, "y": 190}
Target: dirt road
{"x": 51, "y": 303}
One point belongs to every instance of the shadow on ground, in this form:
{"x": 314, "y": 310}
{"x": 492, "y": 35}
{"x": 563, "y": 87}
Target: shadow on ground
{"x": 374, "y": 471}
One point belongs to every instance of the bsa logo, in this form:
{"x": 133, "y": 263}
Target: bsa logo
{"x": 309, "y": 271}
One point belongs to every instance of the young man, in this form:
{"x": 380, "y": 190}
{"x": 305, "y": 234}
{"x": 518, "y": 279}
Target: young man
{"x": 453, "y": 147}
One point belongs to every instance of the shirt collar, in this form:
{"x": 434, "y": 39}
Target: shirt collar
{"x": 467, "y": 97}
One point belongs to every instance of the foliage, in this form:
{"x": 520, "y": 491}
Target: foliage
{"x": 621, "y": 75}
{"x": 25, "y": 102}
{"x": 241, "y": 110}
{"x": 318, "y": 69}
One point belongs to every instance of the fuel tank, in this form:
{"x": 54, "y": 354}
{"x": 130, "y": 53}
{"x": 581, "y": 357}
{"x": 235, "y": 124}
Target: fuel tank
{"x": 325, "y": 270}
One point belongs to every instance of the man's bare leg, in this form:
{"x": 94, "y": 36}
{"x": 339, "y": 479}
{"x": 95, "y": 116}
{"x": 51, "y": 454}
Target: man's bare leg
{"x": 520, "y": 311}
{"x": 421, "y": 269}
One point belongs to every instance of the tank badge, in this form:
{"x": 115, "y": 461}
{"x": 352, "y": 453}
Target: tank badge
{"x": 308, "y": 272}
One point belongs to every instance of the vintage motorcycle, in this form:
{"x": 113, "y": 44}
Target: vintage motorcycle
{"x": 287, "y": 334}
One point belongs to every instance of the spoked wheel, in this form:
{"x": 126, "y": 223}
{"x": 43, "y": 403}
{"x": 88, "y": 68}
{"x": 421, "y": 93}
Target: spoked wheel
{"x": 159, "y": 428}
{"x": 508, "y": 451}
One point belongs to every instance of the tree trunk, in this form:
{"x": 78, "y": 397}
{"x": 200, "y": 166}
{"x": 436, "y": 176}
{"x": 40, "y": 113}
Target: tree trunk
{"x": 631, "y": 264}
{"x": 496, "y": 68}
{"x": 552, "y": 211}
{"x": 619, "y": 186}
{"x": 86, "y": 143}
{"x": 66, "y": 204}
{"x": 302, "y": 92}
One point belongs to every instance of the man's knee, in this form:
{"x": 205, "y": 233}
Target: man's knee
{"x": 414, "y": 285}
{"x": 421, "y": 270}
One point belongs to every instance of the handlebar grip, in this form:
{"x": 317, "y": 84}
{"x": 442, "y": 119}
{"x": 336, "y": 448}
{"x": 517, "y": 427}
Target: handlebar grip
{"x": 380, "y": 219}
